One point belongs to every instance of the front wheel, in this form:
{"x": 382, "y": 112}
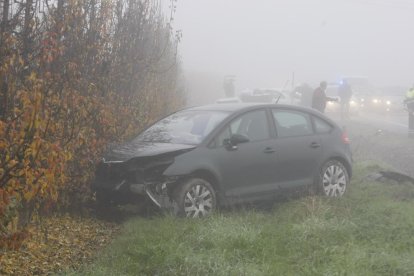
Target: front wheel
{"x": 195, "y": 198}
{"x": 334, "y": 179}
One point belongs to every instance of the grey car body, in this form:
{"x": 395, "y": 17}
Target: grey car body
{"x": 284, "y": 148}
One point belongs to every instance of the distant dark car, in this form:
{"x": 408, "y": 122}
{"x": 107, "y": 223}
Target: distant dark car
{"x": 382, "y": 103}
{"x": 199, "y": 158}
{"x": 335, "y": 107}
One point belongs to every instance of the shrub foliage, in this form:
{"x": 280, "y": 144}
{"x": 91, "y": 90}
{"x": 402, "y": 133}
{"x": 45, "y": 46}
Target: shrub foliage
{"x": 75, "y": 75}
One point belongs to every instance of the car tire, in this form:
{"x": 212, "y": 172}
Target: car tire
{"x": 195, "y": 198}
{"x": 333, "y": 179}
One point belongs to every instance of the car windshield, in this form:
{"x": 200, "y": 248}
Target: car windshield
{"x": 184, "y": 127}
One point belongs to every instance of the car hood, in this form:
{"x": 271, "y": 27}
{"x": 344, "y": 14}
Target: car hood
{"x": 130, "y": 150}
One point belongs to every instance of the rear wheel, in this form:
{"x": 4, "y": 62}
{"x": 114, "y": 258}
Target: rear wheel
{"x": 195, "y": 198}
{"x": 333, "y": 179}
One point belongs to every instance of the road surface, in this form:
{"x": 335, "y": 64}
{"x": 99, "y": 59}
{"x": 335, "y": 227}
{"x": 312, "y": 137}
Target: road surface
{"x": 392, "y": 122}
{"x": 382, "y": 138}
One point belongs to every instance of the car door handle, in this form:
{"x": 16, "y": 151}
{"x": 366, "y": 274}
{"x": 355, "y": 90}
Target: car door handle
{"x": 315, "y": 145}
{"x": 269, "y": 150}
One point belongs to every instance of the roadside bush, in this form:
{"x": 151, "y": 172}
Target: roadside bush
{"x": 75, "y": 76}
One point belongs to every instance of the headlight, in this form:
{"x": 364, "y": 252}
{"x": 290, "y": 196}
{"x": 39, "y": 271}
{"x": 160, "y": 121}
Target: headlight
{"x": 362, "y": 100}
{"x": 375, "y": 101}
{"x": 388, "y": 103}
{"x": 352, "y": 102}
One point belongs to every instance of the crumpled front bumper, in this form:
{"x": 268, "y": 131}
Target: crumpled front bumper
{"x": 159, "y": 192}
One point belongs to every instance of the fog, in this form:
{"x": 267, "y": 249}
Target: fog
{"x": 265, "y": 43}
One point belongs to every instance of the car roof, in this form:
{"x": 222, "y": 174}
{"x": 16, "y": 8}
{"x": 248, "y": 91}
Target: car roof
{"x": 241, "y": 107}
{"x": 231, "y": 107}
{"x": 235, "y": 107}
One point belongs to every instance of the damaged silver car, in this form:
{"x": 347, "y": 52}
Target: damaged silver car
{"x": 196, "y": 159}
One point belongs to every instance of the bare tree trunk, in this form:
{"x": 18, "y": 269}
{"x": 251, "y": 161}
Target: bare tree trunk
{"x": 93, "y": 13}
{"x": 3, "y": 80}
{"x": 27, "y": 30}
{"x": 5, "y": 17}
{"x": 60, "y": 7}
{"x": 59, "y": 19}
{"x": 92, "y": 34}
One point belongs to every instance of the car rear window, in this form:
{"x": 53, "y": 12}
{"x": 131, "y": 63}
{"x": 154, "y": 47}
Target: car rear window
{"x": 292, "y": 123}
{"x": 321, "y": 126}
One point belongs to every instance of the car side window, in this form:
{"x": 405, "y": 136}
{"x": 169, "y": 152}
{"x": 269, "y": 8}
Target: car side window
{"x": 321, "y": 126}
{"x": 253, "y": 125}
{"x": 292, "y": 123}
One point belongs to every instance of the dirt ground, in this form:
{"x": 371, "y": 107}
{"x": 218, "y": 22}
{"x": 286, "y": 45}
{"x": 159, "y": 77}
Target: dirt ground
{"x": 57, "y": 244}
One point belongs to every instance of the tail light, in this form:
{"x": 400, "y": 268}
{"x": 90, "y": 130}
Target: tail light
{"x": 345, "y": 138}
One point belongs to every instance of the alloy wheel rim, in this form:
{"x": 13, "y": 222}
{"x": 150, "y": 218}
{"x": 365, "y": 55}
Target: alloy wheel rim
{"x": 198, "y": 201}
{"x": 334, "y": 181}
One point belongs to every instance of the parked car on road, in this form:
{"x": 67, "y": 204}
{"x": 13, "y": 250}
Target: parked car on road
{"x": 382, "y": 103}
{"x": 199, "y": 158}
{"x": 265, "y": 95}
{"x": 335, "y": 107}
{"x": 228, "y": 100}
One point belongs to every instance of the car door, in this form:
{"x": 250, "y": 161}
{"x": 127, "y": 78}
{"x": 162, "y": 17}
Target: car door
{"x": 297, "y": 148}
{"x": 247, "y": 168}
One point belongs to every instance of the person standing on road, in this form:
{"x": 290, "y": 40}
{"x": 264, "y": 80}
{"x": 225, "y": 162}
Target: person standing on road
{"x": 345, "y": 93}
{"x": 409, "y": 101}
{"x": 319, "y": 98}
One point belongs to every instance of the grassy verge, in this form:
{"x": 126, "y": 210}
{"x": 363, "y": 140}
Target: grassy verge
{"x": 368, "y": 232}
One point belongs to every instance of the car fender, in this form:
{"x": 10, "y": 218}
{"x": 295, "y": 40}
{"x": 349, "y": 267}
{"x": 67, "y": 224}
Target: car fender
{"x": 192, "y": 162}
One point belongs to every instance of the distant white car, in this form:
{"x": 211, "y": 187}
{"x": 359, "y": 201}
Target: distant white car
{"x": 264, "y": 95}
{"x": 228, "y": 100}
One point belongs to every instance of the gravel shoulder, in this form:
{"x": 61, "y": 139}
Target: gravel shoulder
{"x": 370, "y": 143}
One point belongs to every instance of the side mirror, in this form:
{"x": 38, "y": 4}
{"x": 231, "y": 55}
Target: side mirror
{"x": 234, "y": 140}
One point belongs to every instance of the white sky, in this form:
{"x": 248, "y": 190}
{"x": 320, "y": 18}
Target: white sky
{"x": 262, "y": 42}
